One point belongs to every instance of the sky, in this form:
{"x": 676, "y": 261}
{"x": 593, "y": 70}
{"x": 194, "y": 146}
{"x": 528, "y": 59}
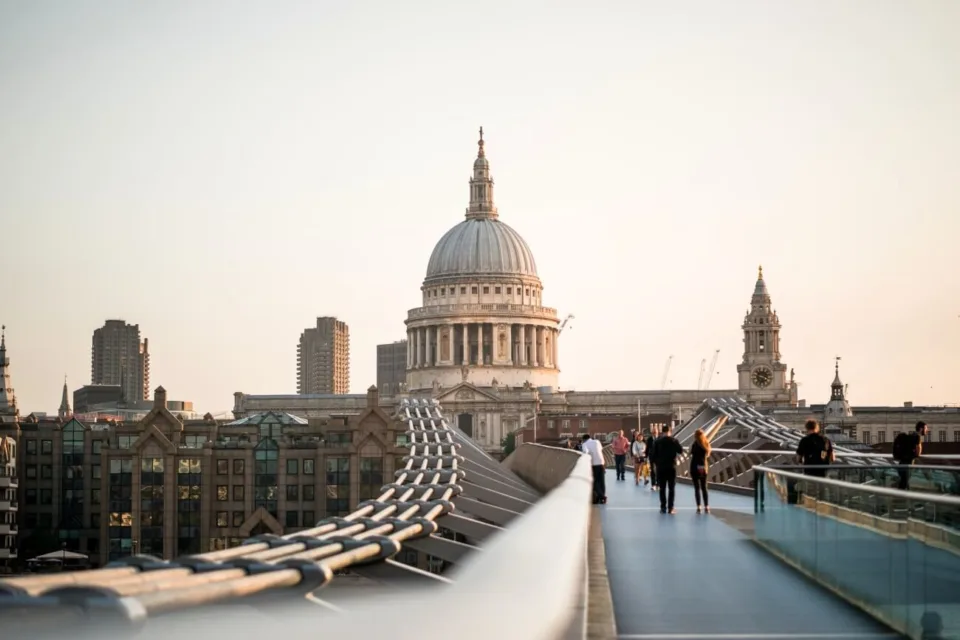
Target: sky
{"x": 222, "y": 173}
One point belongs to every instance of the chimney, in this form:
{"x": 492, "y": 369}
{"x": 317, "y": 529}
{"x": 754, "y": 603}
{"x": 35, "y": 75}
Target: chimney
{"x": 160, "y": 398}
{"x": 373, "y": 397}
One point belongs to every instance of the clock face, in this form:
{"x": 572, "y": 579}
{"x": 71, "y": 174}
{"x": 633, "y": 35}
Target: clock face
{"x": 762, "y": 377}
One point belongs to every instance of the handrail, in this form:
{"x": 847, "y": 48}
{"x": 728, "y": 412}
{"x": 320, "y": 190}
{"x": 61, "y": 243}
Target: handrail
{"x": 788, "y": 452}
{"x": 543, "y": 552}
{"x": 883, "y": 491}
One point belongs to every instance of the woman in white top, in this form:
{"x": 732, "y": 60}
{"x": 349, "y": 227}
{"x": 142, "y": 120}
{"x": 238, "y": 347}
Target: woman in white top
{"x": 638, "y": 450}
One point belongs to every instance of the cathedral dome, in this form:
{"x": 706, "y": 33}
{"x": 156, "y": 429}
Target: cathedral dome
{"x": 481, "y": 246}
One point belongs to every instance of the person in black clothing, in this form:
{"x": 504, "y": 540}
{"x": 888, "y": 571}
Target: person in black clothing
{"x": 651, "y": 451}
{"x": 699, "y": 452}
{"x": 667, "y": 449}
{"x": 907, "y": 447}
{"x": 815, "y": 451}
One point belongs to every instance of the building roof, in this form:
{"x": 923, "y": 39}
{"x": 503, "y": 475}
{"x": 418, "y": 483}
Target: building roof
{"x": 268, "y": 417}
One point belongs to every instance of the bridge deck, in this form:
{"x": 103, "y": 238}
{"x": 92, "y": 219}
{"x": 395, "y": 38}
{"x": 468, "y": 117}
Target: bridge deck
{"x": 690, "y": 576}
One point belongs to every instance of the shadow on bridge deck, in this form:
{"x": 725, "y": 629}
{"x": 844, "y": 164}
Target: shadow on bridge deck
{"x": 690, "y": 576}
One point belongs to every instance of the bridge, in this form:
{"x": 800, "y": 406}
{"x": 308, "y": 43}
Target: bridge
{"x": 529, "y": 558}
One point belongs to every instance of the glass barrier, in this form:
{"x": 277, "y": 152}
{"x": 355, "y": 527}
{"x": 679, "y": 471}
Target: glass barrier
{"x": 895, "y": 554}
{"x": 920, "y": 478}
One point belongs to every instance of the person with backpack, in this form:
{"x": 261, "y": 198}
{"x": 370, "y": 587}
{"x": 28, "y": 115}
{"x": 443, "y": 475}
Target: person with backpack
{"x": 815, "y": 451}
{"x": 907, "y": 447}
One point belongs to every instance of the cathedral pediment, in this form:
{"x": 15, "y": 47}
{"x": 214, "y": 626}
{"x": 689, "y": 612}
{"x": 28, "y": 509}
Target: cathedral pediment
{"x": 466, "y": 392}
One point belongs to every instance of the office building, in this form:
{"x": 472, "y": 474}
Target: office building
{"x": 323, "y": 358}
{"x": 121, "y": 358}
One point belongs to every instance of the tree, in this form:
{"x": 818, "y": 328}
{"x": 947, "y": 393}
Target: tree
{"x": 509, "y": 443}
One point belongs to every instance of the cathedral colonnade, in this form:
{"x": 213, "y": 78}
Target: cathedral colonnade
{"x": 459, "y": 343}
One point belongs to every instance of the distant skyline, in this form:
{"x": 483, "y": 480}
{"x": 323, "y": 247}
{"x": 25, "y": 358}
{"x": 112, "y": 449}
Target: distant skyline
{"x": 222, "y": 174}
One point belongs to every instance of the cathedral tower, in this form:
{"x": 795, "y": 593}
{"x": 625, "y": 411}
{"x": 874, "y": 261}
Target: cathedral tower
{"x": 762, "y": 376}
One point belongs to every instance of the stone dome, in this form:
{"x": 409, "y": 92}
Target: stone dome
{"x": 481, "y": 246}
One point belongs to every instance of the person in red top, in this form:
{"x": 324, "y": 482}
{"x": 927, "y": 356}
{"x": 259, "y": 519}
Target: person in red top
{"x": 620, "y": 447}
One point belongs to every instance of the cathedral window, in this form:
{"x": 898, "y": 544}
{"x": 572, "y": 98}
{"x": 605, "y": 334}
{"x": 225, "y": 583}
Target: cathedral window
{"x": 486, "y": 290}
{"x": 463, "y": 290}
{"x": 528, "y": 292}
{"x": 496, "y": 289}
{"x": 509, "y": 291}
{"x": 473, "y": 289}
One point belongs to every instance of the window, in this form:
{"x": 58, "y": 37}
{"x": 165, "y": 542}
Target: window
{"x": 583, "y": 425}
{"x": 403, "y": 439}
{"x": 463, "y": 290}
{"x": 509, "y": 291}
{"x": 46, "y": 447}
{"x": 486, "y": 289}
{"x": 565, "y": 425}
{"x": 473, "y": 289}
{"x": 265, "y": 489}
{"x": 956, "y": 436}
{"x": 31, "y": 447}
{"x": 443, "y": 291}
{"x": 95, "y": 471}
{"x": 308, "y": 467}
{"x": 31, "y": 471}
{"x": 238, "y": 466}
{"x": 371, "y": 477}
{"x": 881, "y": 437}
{"x": 496, "y": 289}
{"x": 189, "y": 479}
{"x": 120, "y": 518}
{"x": 222, "y": 519}
{"x": 292, "y": 465}
{"x": 293, "y": 492}
{"x": 125, "y": 442}
{"x": 527, "y": 291}
{"x": 46, "y": 471}
{"x": 238, "y": 492}
{"x": 94, "y": 520}
{"x": 194, "y": 442}
{"x": 97, "y": 447}
{"x": 46, "y": 496}
{"x": 942, "y": 435}
{"x": 309, "y": 519}
{"x": 292, "y": 519}
{"x": 551, "y": 424}
{"x": 151, "y": 506}
{"x": 223, "y": 466}
{"x": 223, "y": 493}
{"x": 865, "y": 437}
{"x": 94, "y": 496}
{"x": 338, "y": 486}
{"x": 308, "y": 492}
{"x": 238, "y": 518}
{"x": 30, "y": 496}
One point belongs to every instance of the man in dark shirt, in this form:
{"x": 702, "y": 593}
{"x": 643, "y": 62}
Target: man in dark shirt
{"x": 906, "y": 449}
{"x": 666, "y": 451}
{"x": 651, "y": 457}
{"x": 815, "y": 451}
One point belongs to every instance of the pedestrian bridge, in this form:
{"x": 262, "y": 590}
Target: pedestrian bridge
{"x": 531, "y": 559}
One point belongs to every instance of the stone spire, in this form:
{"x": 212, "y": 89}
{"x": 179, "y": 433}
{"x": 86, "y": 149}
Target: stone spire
{"x": 8, "y": 401}
{"x": 836, "y": 387}
{"x": 481, "y": 187}
{"x": 760, "y": 293}
{"x": 64, "y": 411}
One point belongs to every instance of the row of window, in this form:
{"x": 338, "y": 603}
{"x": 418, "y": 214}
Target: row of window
{"x": 293, "y": 492}
{"x": 444, "y": 291}
{"x": 867, "y": 438}
{"x": 291, "y": 519}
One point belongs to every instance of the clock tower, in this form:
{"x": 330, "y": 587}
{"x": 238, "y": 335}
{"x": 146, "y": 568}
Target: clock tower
{"x": 762, "y": 376}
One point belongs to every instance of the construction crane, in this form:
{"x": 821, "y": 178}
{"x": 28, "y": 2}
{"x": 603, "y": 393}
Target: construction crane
{"x": 666, "y": 371}
{"x": 703, "y": 367}
{"x": 569, "y": 317}
{"x": 713, "y": 368}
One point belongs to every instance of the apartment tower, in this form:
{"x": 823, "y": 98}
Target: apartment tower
{"x": 323, "y": 358}
{"x": 121, "y": 359}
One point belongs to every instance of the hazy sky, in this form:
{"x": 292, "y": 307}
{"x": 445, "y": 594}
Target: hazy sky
{"x": 221, "y": 173}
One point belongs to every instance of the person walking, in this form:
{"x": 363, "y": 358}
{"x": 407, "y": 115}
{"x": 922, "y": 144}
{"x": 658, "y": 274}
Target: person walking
{"x": 594, "y": 449}
{"x": 666, "y": 451}
{"x": 620, "y": 448}
{"x": 638, "y": 451}
{"x": 651, "y": 452}
{"x": 907, "y": 447}
{"x": 815, "y": 451}
{"x": 699, "y": 452}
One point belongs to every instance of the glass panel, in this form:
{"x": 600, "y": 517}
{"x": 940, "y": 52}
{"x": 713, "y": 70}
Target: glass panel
{"x": 895, "y": 552}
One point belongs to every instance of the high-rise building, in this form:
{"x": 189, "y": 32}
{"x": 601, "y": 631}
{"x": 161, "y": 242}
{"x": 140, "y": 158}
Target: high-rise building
{"x": 323, "y": 358}
{"x": 121, "y": 358}
{"x": 392, "y": 367}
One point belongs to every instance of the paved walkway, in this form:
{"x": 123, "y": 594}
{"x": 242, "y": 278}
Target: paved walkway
{"x": 693, "y": 576}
